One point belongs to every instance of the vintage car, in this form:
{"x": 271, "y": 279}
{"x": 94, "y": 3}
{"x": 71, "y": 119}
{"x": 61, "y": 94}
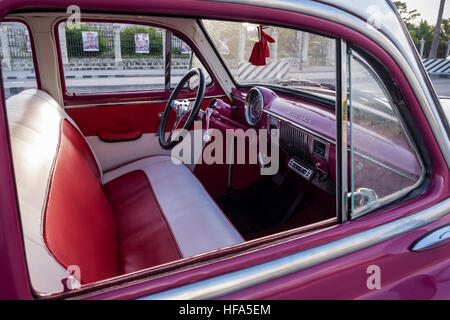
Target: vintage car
{"x": 238, "y": 149}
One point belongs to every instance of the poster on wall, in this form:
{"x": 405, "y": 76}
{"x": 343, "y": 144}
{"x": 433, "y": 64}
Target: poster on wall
{"x": 185, "y": 47}
{"x": 90, "y": 40}
{"x": 141, "y": 43}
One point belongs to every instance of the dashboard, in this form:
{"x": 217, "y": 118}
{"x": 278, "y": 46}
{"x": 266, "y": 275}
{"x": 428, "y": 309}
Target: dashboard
{"x": 307, "y": 153}
{"x": 306, "y": 137}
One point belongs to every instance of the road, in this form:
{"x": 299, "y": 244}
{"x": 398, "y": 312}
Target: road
{"x": 86, "y": 81}
{"x": 442, "y": 86}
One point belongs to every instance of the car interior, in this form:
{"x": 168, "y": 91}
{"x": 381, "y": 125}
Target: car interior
{"x": 99, "y": 112}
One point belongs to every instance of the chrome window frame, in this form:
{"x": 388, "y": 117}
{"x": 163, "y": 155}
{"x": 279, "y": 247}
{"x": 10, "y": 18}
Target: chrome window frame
{"x": 400, "y": 193}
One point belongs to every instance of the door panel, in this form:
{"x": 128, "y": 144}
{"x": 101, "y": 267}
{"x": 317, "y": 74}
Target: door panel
{"x": 122, "y": 118}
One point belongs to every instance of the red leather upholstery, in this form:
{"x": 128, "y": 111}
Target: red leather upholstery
{"x": 145, "y": 238}
{"x": 79, "y": 226}
{"x": 112, "y": 136}
{"x": 106, "y": 224}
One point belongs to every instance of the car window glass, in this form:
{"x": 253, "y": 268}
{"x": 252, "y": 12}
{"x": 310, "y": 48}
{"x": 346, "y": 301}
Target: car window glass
{"x": 383, "y": 160}
{"x": 16, "y": 58}
{"x": 118, "y": 57}
{"x": 293, "y": 59}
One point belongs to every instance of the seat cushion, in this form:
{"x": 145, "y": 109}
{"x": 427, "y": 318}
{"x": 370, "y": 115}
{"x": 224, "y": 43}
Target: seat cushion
{"x": 145, "y": 238}
{"x": 196, "y": 222}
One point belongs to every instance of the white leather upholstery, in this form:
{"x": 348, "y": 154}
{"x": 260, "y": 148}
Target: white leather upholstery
{"x": 197, "y": 223}
{"x": 34, "y": 124}
{"x": 112, "y": 155}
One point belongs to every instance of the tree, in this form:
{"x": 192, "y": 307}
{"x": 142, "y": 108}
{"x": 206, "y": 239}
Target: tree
{"x": 408, "y": 16}
{"x": 445, "y": 30}
{"x": 75, "y": 43}
{"x": 422, "y": 29}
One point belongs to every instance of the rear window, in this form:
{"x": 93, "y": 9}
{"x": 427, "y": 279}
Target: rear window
{"x": 16, "y": 56}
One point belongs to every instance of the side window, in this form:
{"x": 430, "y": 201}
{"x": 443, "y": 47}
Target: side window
{"x": 112, "y": 57}
{"x": 183, "y": 59}
{"x": 16, "y": 58}
{"x": 383, "y": 160}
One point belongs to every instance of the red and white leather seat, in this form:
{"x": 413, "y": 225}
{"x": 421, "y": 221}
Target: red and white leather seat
{"x": 142, "y": 214}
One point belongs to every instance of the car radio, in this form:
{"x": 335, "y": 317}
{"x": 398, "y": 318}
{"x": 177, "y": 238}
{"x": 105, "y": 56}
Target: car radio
{"x": 302, "y": 170}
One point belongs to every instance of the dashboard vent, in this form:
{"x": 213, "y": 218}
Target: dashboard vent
{"x": 294, "y": 141}
{"x": 320, "y": 149}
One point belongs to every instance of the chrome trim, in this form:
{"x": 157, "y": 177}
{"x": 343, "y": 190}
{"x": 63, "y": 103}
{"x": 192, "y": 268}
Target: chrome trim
{"x": 364, "y": 209}
{"x": 294, "y": 141}
{"x": 391, "y": 36}
{"x": 370, "y": 196}
{"x": 432, "y": 239}
{"x": 248, "y": 107}
{"x": 295, "y": 124}
{"x": 238, "y": 280}
{"x": 132, "y": 102}
{"x": 342, "y": 212}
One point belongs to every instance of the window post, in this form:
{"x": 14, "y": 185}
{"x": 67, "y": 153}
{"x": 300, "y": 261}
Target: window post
{"x": 341, "y": 132}
{"x": 167, "y": 58}
{"x": 6, "y": 49}
{"x": 117, "y": 47}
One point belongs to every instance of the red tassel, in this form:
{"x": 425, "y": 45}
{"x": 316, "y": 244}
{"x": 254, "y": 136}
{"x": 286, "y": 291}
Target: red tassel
{"x": 261, "y": 49}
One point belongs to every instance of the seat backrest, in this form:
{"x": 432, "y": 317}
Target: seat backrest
{"x": 66, "y": 217}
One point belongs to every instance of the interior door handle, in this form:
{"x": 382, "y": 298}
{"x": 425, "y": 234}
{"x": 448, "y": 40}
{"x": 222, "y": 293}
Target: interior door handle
{"x": 433, "y": 239}
{"x": 111, "y": 136}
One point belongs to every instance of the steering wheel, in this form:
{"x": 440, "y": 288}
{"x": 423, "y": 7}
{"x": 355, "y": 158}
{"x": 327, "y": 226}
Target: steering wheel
{"x": 182, "y": 108}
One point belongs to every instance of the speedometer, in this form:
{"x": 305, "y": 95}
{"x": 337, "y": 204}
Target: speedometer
{"x": 254, "y": 106}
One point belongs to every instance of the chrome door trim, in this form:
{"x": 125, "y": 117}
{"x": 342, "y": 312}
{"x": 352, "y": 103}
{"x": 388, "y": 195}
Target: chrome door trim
{"x": 295, "y": 124}
{"x": 238, "y": 280}
{"x": 433, "y": 239}
{"x": 342, "y": 213}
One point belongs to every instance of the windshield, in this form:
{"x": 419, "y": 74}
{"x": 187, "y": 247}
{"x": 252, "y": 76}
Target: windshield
{"x": 284, "y": 57}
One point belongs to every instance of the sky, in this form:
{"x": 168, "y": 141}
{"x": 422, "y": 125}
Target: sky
{"x": 428, "y": 9}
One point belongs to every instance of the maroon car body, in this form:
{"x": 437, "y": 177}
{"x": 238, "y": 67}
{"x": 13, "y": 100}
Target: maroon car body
{"x": 329, "y": 259}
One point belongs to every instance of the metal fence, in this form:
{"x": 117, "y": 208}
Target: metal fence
{"x": 18, "y": 41}
{"x": 179, "y": 48}
{"x": 442, "y": 50}
{"x": 126, "y": 39}
{"x": 75, "y": 48}
{"x": 128, "y": 43}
